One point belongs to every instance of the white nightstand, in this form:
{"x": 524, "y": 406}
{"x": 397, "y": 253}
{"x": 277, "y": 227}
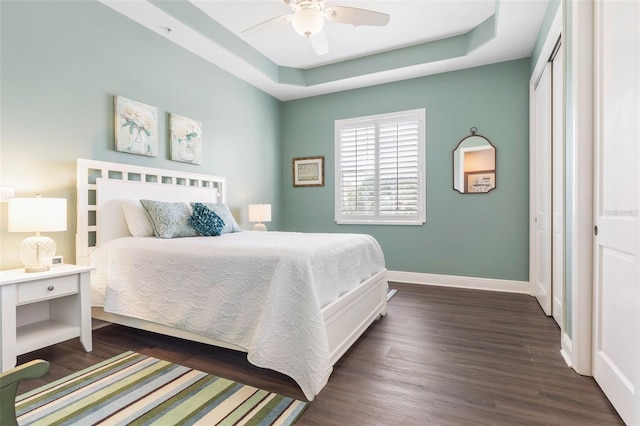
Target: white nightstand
{"x": 40, "y": 309}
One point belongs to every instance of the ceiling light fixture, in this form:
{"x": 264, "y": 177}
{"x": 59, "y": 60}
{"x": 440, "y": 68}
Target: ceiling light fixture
{"x": 307, "y": 21}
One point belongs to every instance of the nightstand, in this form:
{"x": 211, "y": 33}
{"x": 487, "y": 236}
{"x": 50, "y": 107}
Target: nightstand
{"x": 40, "y": 309}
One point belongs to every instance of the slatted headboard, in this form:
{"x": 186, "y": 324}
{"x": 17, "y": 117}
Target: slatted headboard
{"x": 102, "y": 185}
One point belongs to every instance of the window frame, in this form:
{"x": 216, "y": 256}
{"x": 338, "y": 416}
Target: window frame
{"x": 377, "y": 218}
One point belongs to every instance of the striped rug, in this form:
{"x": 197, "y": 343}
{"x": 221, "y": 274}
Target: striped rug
{"x": 140, "y": 390}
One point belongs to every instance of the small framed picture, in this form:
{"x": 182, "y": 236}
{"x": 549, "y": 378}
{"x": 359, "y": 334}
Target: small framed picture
{"x": 186, "y": 139}
{"x": 136, "y": 127}
{"x": 308, "y": 171}
{"x": 480, "y": 181}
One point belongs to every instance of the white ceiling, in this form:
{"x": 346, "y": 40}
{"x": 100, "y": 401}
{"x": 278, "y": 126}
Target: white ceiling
{"x": 412, "y": 23}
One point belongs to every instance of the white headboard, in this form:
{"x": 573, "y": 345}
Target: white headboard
{"x": 102, "y": 186}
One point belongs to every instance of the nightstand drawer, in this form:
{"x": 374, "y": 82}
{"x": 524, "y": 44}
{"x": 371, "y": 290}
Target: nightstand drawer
{"x": 47, "y": 289}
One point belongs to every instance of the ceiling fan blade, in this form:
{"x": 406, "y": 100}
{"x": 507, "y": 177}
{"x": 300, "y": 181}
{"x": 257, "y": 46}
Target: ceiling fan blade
{"x": 269, "y": 23}
{"x": 356, "y": 17}
{"x": 319, "y": 43}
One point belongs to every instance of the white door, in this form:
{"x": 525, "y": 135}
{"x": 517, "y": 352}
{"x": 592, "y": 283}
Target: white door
{"x": 542, "y": 190}
{"x": 616, "y": 335}
{"x": 557, "y": 223}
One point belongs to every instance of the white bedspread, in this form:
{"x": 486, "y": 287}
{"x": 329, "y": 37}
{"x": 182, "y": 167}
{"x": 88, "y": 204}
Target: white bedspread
{"x": 262, "y": 291}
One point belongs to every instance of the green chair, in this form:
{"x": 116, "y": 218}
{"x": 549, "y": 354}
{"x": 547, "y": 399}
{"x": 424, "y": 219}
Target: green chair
{"x": 9, "y": 385}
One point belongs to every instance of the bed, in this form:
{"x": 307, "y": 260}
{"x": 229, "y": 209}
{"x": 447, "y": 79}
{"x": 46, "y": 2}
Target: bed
{"x": 293, "y": 302}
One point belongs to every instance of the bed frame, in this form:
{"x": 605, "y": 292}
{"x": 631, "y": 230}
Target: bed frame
{"x": 100, "y": 219}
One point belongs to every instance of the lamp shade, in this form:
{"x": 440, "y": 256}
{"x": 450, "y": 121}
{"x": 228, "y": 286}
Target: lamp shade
{"x": 37, "y": 214}
{"x": 259, "y": 212}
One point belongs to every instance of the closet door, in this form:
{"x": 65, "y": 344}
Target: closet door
{"x": 557, "y": 178}
{"x": 616, "y": 337}
{"x": 542, "y": 190}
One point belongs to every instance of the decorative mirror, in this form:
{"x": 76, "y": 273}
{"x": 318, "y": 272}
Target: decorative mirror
{"x": 474, "y": 165}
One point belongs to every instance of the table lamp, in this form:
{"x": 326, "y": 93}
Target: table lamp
{"x": 259, "y": 213}
{"x": 37, "y": 215}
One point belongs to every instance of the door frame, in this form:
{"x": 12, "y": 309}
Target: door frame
{"x": 579, "y": 127}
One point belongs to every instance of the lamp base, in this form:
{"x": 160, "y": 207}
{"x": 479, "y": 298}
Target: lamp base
{"x": 259, "y": 227}
{"x": 36, "y": 253}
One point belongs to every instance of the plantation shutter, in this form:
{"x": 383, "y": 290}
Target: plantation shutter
{"x": 358, "y": 174}
{"x": 380, "y": 169}
{"x": 399, "y": 178}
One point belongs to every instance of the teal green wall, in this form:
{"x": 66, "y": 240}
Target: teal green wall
{"x": 465, "y": 234}
{"x": 61, "y": 64}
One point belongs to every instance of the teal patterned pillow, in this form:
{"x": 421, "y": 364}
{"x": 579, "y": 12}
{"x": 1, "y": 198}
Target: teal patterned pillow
{"x": 169, "y": 220}
{"x": 222, "y": 210}
{"x": 205, "y": 221}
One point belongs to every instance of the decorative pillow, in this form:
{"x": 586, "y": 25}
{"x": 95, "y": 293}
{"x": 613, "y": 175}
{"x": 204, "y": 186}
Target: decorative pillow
{"x": 205, "y": 221}
{"x": 222, "y": 210}
{"x": 169, "y": 220}
{"x": 136, "y": 217}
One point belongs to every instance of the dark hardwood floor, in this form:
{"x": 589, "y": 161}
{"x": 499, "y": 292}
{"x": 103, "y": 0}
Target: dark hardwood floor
{"x": 441, "y": 356}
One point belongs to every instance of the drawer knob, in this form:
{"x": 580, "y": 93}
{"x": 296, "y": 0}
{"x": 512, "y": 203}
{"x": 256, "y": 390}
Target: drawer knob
{"x": 50, "y": 288}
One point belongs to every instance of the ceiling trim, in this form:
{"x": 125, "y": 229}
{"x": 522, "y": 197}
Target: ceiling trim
{"x": 436, "y": 50}
{"x": 424, "y": 53}
{"x": 197, "y": 21}
{"x": 184, "y": 24}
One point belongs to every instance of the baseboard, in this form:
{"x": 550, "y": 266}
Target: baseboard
{"x": 390, "y": 293}
{"x": 566, "y": 349}
{"x": 97, "y": 324}
{"x": 489, "y": 284}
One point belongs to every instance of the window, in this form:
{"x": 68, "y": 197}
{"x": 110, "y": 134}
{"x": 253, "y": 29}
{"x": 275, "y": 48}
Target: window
{"x": 380, "y": 169}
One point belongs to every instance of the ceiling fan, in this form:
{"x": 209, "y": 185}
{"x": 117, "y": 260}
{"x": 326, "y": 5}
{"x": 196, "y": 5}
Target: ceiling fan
{"x": 309, "y": 15}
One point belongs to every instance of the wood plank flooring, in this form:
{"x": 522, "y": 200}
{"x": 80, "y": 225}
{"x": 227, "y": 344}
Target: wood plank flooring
{"x": 441, "y": 356}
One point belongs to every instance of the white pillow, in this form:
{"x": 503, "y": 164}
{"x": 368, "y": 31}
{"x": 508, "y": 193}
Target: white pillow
{"x": 169, "y": 220}
{"x": 137, "y": 221}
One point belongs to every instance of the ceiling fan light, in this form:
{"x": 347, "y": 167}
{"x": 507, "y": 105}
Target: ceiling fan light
{"x": 307, "y": 21}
